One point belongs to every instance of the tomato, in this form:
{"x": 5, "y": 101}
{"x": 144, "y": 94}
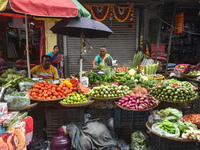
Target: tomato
{"x": 75, "y": 88}
{"x": 45, "y": 91}
{"x": 33, "y": 94}
{"x": 41, "y": 82}
{"x": 61, "y": 85}
{"x": 58, "y": 89}
{"x": 42, "y": 85}
{"x": 35, "y": 97}
{"x": 42, "y": 88}
{"x": 49, "y": 87}
{"x": 45, "y": 95}
{"x": 65, "y": 93}
{"x": 51, "y": 96}
{"x": 58, "y": 96}
{"x": 40, "y": 91}
{"x": 53, "y": 88}
{"x": 40, "y": 95}
{"x": 61, "y": 95}
{"x": 31, "y": 90}
{"x": 48, "y": 98}
{"x": 54, "y": 97}
{"x": 49, "y": 93}
{"x": 34, "y": 85}
{"x": 36, "y": 90}
{"x": 55, "y": 94}
{"x": 45, "y": 83}
{"x": 64, "y": 88}
{"x": 30, "y": 97}
{"x": 53, "y": 91}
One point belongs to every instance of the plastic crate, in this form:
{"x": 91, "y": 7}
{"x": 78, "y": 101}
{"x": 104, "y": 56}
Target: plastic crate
{"x": 57, "y": 117}
{"x": 196, "y": 106}
{"x": 126, "y": 118}
{"x": 38, "y": 115}
{"x": 98, "y": 113}
{"x": 160, "y": 143}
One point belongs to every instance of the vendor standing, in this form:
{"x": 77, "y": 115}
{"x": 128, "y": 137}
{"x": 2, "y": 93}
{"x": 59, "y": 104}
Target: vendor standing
{"x": 45, "y": 71}
{"x": 56, "y": 57}
{"x": 100, "y": 59}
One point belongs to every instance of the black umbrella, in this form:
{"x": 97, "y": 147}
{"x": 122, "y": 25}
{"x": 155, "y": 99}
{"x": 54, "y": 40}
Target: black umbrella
{"x": 74, "y": 27}
{"x": 83, "y": 28}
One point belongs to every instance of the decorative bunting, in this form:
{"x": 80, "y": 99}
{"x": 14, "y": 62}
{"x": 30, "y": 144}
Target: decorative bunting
{"x": 100, "y": 12}
{"x": 122, "y": 13}
{"x": 179, "y": 23}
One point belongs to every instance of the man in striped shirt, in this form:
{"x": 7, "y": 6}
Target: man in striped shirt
{"x": 45, "y": 71}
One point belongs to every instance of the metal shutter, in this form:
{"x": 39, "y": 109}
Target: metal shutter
{"x": 121, "y": 46}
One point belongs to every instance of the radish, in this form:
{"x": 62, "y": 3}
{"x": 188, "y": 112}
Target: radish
{"x": 133, "y": 101}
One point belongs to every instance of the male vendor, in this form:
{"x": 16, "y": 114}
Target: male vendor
{"x": 45, "y": 71}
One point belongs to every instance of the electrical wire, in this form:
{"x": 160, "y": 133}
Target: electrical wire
{"x": 176, "y": 27}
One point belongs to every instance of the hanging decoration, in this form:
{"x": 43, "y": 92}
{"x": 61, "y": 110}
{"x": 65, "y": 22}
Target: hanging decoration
{"x": 179, "y": 23}
{"x": 100, "y": 12}
{"x": 131, "y": 19}
{"x": 122, "y": 13}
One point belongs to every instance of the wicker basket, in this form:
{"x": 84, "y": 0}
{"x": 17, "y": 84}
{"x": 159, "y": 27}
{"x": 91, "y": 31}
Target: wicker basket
{"x": 76, "y": 104}
{"x": 47, "y": 100}
{"x": 190, "y": 76}
{"x": 106, "y": 99}
{"x": 174, "y": 101}
{"x": 134, "y": 109}
{"x": 24, "y": 108}
{"x": 148, "y": 125}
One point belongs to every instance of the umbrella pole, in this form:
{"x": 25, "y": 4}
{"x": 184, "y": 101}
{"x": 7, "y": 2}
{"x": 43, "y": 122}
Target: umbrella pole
{"x": 27, "y": 48}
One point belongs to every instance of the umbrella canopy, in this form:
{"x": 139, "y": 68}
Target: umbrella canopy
{"x": 50, "y": 8}
{"x": 74, "y": 27}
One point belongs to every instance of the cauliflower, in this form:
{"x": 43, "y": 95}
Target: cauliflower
{"x": 144, "y": 78}
{"x": 132, "y": 72}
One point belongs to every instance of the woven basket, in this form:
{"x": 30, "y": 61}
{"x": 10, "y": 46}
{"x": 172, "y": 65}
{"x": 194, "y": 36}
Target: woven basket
{"x": 47, "y": 100}
{"x": 194, "y": 80}
{"x": 191, "y": 76}
{"x": 106, "y": 99}
{"x": 134, "y": 109}
{"x": 24, "y": 108}
{"x": 175, "y": 102}
{"x": 76, "y": 104}
{"x": 148, "y": 125}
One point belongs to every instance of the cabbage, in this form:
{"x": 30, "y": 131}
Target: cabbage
{"x": 4, "y": 75}
{"x": 10, "y": 71}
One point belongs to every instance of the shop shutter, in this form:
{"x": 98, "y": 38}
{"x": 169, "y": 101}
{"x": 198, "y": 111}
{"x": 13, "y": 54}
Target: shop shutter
{"x": 121, "y": 46}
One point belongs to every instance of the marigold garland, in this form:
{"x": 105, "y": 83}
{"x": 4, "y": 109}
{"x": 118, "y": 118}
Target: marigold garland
{"x": 111, "y": 7}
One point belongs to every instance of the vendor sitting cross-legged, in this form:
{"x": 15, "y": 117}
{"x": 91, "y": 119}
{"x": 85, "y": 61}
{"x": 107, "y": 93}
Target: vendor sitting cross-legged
{"x": 45, "y": 71}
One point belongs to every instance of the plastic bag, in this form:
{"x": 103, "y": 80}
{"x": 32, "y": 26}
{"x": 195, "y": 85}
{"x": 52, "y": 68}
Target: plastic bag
{"x": 121, "y": 145}
{"x": 25, "y": 86}
{"x": 139, "y": 141}
{"x": 154, "y": 118}
{"x": 163, "y": 132}
{"x": 15, "y": 101}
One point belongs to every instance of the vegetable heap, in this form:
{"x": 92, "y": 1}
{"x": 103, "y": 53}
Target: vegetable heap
{"x": 151, "y": 69}
{"x": 109, "y": 91}
{"x": 151, "y": 83}
{"x": 122, "y": 69}
{"x": 138, "y": 101}
{"x": 181, "y": 83}
{"x": 121, "y": 76}
{"x": 43, "y": 90}
{"x": 93, "y": 77}
{"x": 170, "y": 121}
{"x": 190, "y": 68}
{"x": 73, "y": 98}
{"x": 176, "y": 94}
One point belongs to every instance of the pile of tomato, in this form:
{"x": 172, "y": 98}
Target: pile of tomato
{"x": 43, "y": 90}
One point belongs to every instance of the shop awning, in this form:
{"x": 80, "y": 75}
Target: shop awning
{"x": 44, "y": 8}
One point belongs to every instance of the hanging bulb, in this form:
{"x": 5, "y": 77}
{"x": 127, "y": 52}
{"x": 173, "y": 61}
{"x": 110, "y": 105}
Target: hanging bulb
{"x": 84, "y": 51}
{"x": 90, "y": 48}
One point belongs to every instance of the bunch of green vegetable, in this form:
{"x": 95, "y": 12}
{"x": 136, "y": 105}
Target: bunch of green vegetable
{"x": 194, "y": 73}
{"x": 169, "y": 93}
{"x": 17, "y": 99}
{"x": 130, "y": 83}
{"x": 168, "y": 127}
{"x": 93, "y": 77}
{"x": 13, "y": 83}
{"x": 139, "y": 141}
{"x": 186, "y": 84}
{"x": 172, "y": 81}
{"x": 137, "y": 58}
{"x": 109, "y": 91}
{"x": 75, "y": 98}
{"x": 121, "y": 77}
{"x": 151, "y": 69}
{"x": 149, "y": 83}
{"x": 9, "y": 75}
